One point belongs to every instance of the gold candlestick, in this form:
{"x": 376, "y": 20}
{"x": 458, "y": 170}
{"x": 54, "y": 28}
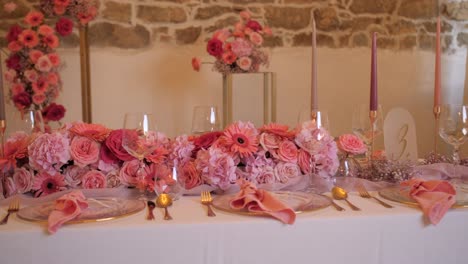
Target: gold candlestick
{"x": 372, "y": 118}
{"x": 436, "y": 111}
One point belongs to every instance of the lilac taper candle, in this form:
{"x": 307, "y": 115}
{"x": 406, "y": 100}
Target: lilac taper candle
{"x": 437, "y": 80}
{"x": 313, "y": 88}
{"x": 373, "y": 85}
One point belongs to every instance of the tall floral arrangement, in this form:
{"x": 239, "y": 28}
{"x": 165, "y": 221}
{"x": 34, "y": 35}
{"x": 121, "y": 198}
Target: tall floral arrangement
{"x": 33, "y": 66}
{"x": 82, "y": 11}
{"x": 238, "y": 49}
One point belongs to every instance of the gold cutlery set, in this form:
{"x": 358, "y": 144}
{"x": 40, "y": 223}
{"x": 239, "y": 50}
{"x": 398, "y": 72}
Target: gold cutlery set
{"x": 341, "y": 194}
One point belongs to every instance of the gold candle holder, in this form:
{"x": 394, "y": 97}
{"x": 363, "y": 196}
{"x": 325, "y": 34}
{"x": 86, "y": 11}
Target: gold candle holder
{"x": 436, "y": 112}
{"x": 372, "y": 118}
{"x": 2, "y": 152}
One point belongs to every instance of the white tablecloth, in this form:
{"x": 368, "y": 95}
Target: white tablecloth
{"x": 375, "y": 235}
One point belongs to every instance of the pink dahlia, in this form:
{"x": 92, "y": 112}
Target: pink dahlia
{"x": 45, "y": 184}
{"x": 241, "y": 138}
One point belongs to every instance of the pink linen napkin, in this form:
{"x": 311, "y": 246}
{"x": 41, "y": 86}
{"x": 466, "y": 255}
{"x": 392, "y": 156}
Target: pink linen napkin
{"x": 434, "y": 197}
{"x": 67, "y": 208}
{"x": 261, "y": 201}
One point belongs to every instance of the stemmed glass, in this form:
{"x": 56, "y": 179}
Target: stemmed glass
{"x": 362, "y": 126}
{"x": 31, "y": 122}
{"x": 205, "y": 119}
{"x": 139, "y": 139}
{"x": 453, "y": 127}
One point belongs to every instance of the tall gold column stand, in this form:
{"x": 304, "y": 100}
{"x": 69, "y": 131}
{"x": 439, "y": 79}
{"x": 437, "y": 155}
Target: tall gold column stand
{"x": 85, "y": 75}
{"x": 2, "y": 152}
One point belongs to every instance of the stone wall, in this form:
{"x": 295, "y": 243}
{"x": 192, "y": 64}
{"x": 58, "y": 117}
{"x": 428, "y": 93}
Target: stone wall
{"x": 402, "y": 24}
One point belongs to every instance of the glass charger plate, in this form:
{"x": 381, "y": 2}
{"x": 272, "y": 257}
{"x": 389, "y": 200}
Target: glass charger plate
{"x": 394, "y": 194}
{"x": 298, "y": 201}
{"x": 99, "y": 209}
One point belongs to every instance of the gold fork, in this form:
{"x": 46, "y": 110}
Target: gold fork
{"x": 13, "y": 208}
{"x": 207, "y": 200}
{"x": 364, "y": 194}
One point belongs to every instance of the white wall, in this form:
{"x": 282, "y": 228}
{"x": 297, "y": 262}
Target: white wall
{"x": 160, "y": 80}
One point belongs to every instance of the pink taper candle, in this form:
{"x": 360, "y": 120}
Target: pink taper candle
{"x": 2, "y": 99}
{"x": 437, "y": 81}
{"x": 313, "y": 89}
{"x": 373, "y": 85}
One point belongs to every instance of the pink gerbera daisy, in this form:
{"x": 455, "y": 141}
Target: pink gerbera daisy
{"x": 45, "y": 184}
{"x": 34, "y": 18}
{"x": 28, "y": 38}
{"x": 93, "y": 131}
{"x": 241, "y": 138}
{"x": 278, "y": 129}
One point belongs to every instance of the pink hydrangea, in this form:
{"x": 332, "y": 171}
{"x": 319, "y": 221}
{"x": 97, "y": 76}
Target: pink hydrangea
{"x": 217, "y": 167}
{"x": 182, "y": 150}
{"x": 49, "y": 152}
{"x": 241, "y": 47}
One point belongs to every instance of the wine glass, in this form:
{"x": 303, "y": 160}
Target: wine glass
{"x": 320, "y": 117}
{"x": 453, "y": 127}
{"x": 139, "y": 139}
{"x": 363, "y": 128}
{"x": 31, "y": 122}
{"x": 205, "y": 119}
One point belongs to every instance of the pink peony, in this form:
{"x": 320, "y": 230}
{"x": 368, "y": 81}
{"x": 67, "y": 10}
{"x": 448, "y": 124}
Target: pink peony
{"x": 215, "y": 47}
{"x": 23, "y": 179}
{"x": 94, "y": 180}
{"x": 74, "y": 174}
{"x": 351, "y": 144}
{"x": 44, "y": 64}
{"x": 9, "y": 7}
{"x": 229, "y": 57}
{"x": 196, "y": 63}
{"x": 114, "y": 143}
{"x": 64, "y": 26}
{"x": 241, "y": 47}
{"x": 107, "y": 167}
{"x": 49, "y": 152}
{"x": 285, "y": 171}
{"x": 45, "y": 184}
{"x": 217, "y": 167}
{"x": 189, "y": 176}
{"x": 53, "y": 78}
{"x": 256, "y": 38}
{"x": 287, "y": 152}
{"x": 84, "y": 151}
{"x": 244, "y": 63}
{"x": 53, "y": 112}
{"x": 129, "y": 173}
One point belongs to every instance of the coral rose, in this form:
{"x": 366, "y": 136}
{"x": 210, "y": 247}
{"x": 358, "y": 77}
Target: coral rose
{"x": 287, "y": 151}
{"x": 189, "y": 176}
{"x": 84, "y": 151}
{"x": 94, "y": 180}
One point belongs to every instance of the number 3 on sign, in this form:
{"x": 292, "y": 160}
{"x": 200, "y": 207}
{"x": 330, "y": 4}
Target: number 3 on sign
{"x": 400, "y": 135}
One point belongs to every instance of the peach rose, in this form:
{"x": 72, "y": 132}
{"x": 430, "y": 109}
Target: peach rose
{"x": 269, "y": 141}
{"x": 351, "y": 144}
{"x": 84, "y": 151}
{"x": 287, "y": 151}
{"x": 189, "y": 176}
{"x": 244, "y": 63}
{"x": 285, "y": 171}
{"x": 94, "y": 180}
{"x": 128, "y": 173}
{"x": 256, "y": 38}
{"x": 23, "y": 180}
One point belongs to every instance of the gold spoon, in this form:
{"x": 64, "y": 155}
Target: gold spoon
{"x": 340, "y": 194}
{"x": 164, "y": 200}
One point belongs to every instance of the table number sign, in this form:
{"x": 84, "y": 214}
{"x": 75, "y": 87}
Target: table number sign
{"x": 400, "y": 135}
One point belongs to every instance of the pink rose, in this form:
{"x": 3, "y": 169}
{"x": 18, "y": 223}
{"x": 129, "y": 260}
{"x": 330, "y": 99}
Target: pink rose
{"x": 256, "y": 38}
{"x": 39, "y": 98}
{"x": 44, "y": 64}
{"x": 229, "y": 57}
{"x": 189, "y": 176}
{"x": 17, "y": 88}
{"x": 269, "y": 141}
{"x": 84, "y": 151}
{"x": 34, "y": 55}
{"x": 351, "y": 144}
{"x": 94, "y": 180}
{"x": 215, "y": 47}
{"x": 53, "y": 112}
{"x": 54, "y": 59}
{"x": 74, "y": 174}
{"x": 15, "y": 46}
{"x": 128, "y": 173}
{"x": 206, "y": 140}
{"x": 45, "y": 30}
{"x": 22, "y": 100}
{"x": 287, "y": 151}
{"x": 114, "y": 143}
{"x": 196, "y": 63}
{"x": 266, "y": 176}
{"x": 303, "y": 160}
{"x": 10, "y": 75}
{"x": 222, "y": 34}
{"x": 285, "y": 171}
{"x": 64, "y": 26}
{"x": 244, "y": 63}
{"x": 23, "y": 179}
{"x": 31, "y": 75}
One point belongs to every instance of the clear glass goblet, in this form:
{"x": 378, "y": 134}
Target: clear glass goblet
{"x": 364, "y": 129}
{"x": 139, "y": 139}
{"x": 453, "y": 127}
{"x": 205, "y": 119}
{"x": 31, "y": 122}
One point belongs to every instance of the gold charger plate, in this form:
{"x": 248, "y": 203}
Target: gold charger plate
{"x": 99, "y": 209}
{"x": 298, "y": 201}
{"x": 394, "y": 194}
